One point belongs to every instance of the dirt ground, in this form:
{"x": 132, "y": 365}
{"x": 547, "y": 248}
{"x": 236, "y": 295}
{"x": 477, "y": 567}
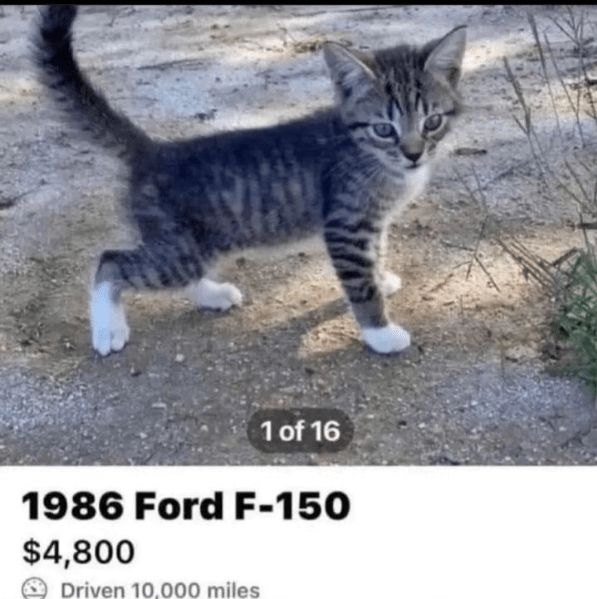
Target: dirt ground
{"x": 475, "y": 389}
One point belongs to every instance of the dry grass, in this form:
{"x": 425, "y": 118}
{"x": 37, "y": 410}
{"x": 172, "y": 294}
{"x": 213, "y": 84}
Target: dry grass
{"x": 571, "y": 279}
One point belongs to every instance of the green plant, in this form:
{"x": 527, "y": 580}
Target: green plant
{"x": 577, "y": 318}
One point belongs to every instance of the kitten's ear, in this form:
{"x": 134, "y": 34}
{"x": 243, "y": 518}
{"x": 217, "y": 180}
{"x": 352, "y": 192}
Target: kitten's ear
{"x": 445, "y": 55}
{"x": 348, "y": 70}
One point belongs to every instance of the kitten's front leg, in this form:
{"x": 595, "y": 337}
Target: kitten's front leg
{"x": 389, "y": 282}
{"x": 354, "y": 260}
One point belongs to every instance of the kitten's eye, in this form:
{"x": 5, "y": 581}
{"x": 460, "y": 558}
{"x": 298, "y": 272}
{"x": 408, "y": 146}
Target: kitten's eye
{"x": 383, "y": 130}
{"x": 433, "y": 122}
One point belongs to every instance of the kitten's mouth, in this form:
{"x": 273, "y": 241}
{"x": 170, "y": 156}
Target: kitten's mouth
{"x": 413, "y": 166}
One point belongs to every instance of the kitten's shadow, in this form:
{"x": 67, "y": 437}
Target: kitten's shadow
{"x": 310, "y": 319}
{"x": 289, "y": 336}
{"x": 286, "y": 336}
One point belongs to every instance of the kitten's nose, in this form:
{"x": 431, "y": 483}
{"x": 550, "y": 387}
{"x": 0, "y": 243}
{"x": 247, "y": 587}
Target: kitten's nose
{"x": 414, "y": 156}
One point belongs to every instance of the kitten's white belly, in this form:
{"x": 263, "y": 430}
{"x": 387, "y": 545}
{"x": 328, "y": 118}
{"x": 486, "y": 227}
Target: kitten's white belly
{"x": 312, "y": 244}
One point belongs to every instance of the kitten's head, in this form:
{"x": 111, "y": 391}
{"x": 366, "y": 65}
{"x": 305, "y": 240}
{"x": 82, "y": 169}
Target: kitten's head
{"x": 399, "y": 102}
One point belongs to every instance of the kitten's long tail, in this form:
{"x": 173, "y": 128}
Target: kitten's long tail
{"x": 60, "y": 73}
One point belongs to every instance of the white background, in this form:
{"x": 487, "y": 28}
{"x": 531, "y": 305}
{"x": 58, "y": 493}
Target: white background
{"x": 421, "y": 533}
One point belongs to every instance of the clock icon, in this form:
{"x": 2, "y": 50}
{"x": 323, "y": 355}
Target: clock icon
{"x": 34, "y": 588}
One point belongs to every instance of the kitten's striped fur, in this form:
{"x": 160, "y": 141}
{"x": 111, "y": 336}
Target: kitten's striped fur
{"x": 341, "y": 172}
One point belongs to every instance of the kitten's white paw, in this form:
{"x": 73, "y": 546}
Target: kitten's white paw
{"x": 390, "y": 283}
{"x": 215, "y": 296}
{"x": 106, "y": 340}
{"x": 109, "y": 331}
{"x": 386, "y": 340}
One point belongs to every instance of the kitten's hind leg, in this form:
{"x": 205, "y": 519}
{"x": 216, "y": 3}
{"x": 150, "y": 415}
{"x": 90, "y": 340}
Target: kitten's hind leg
{"x": 109, "y": 330}
{"x": 158, "y": 267}
{"x": 215, "y": 296}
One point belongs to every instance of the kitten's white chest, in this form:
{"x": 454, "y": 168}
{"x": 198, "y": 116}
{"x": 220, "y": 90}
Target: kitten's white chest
{"x": 410, "y": 188}
{"x": 415, "y": 181}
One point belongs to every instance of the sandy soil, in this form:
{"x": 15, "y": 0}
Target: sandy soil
{"x": 474, "y": 389}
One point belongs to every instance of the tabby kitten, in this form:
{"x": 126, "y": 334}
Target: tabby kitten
{"x": 341, "y": 172}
